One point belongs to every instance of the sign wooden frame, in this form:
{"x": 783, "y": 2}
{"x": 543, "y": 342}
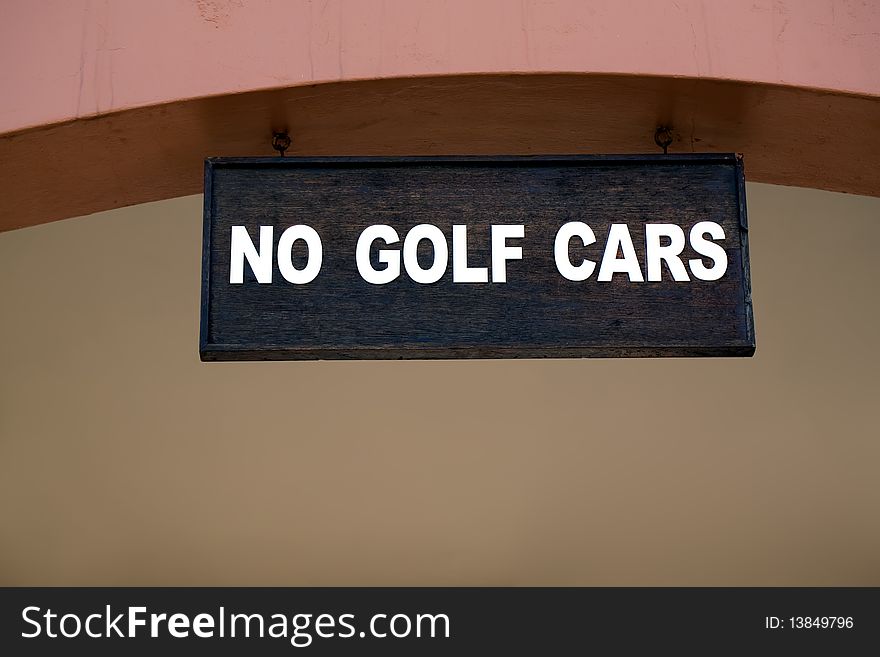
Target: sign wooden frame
{"x": 534, "y": 313}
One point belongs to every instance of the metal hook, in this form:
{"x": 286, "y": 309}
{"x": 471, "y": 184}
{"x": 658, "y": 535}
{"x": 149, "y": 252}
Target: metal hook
{"x": 663, "y": 137}
{"x": 280, "y": 142}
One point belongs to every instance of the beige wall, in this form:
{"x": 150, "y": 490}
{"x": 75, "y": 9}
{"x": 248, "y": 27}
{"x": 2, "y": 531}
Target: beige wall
{"x": 124, "y": 460}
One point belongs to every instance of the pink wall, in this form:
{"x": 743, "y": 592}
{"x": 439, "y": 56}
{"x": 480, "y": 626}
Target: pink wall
{"x": 107, "y": 103}
{"x": 65, "y": 59}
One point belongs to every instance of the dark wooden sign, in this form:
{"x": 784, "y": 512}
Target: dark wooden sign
{"x": 475, "y": 257}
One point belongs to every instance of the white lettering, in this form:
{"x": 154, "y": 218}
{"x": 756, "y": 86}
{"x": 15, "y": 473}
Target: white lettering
{"x": 410, "y": 253}
{"x": 461, "y": 273}
{"x": 24, "y": 616}
{"x": 242, "y": 248}
{"x": 285, "y": 254}
{"x": 501, "y": 253}
{"x": 390, "y": 257}
{"x": 709, "y": 249}
{"x": 619, "y": 238}
{"x": 572, "y": 229}
{"x": 134, "y": 621}
{"x": 656, "y": 252}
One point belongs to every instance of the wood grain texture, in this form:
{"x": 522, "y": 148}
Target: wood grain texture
{"x": 536, "y": 313}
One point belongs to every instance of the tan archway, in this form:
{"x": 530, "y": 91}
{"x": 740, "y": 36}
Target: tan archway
{"x": 112, "y": 104}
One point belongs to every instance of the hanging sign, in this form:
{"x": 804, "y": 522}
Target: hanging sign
{"x": 475, "y": 257}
